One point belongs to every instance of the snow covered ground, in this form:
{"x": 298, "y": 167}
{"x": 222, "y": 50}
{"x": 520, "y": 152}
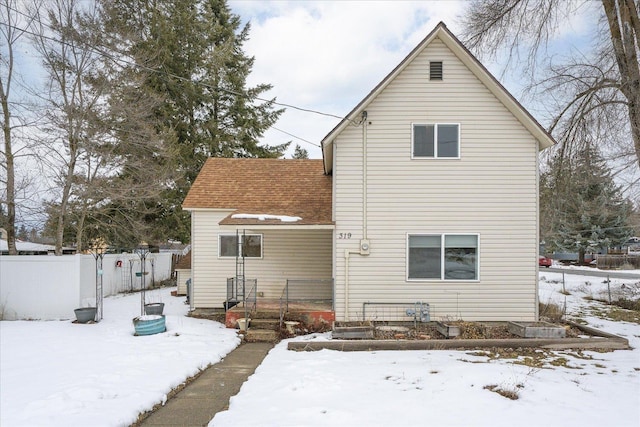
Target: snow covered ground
{"x": 58, "y": 373}
{"x": 449, "y": 388}
{"x": 64, "y": 374}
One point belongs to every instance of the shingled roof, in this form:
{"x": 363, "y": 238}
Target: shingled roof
{"x": 184, "y": 263}
{"x": 260, "y": 189}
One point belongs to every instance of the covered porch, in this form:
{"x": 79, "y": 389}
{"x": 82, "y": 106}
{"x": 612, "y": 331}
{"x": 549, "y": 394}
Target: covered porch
{"x": 309, "y": 301}
{"x": 289, "y": 278}
{"x": 283, "y": 209}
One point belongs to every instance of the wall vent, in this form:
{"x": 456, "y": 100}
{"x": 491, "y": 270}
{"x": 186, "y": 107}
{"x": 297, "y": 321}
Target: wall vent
{"x": 435, "y": 70}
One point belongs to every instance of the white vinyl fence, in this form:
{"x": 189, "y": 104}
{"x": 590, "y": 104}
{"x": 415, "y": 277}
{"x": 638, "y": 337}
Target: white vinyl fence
{"x": 51, "y": 287}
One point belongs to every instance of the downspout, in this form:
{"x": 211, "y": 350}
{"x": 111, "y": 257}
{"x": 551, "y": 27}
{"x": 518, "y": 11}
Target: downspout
{"x": 364, "y": 175}
{"x": 364, "y": 242}
{"x": 346, "y": 285}
{"x": 347, "y": 254}
{"x": 537, "y": 277}
{"x": 190, "y": 291}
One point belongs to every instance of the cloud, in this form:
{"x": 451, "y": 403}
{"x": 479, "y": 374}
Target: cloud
{"x": 327, "y": 55}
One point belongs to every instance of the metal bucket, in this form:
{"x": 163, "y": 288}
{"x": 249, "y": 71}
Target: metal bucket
{"x": 154, "y": 308}
{"x": 85, "y": 314}
{"x": 149, "y": 325}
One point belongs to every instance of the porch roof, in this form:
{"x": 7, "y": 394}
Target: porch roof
{"x": 258, "y": 227}
{"x": 264, "y": 192}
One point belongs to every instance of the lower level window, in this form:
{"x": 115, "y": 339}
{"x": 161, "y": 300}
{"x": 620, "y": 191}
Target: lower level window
{"x": 251, "y": 246}
{"x": 443, "y": 256}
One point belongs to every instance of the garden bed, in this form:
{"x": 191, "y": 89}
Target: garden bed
{"x": 353, "y": 330}
{"x": 456, "y": 330}
{"x": 425, "y": 336}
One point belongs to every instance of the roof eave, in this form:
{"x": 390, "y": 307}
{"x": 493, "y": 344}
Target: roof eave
{"x": 498, "y": 90}
{"x": 283, "y": 226}
{"x": 327, "y": 141}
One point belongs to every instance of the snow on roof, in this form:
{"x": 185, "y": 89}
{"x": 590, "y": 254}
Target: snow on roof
{"x": 262, "y": 217}
{"x": 22, "y": 246}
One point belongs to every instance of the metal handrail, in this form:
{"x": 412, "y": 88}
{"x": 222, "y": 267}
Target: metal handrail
{"x": 236, "y": 290}
{"x": 284, "y": 300}
{"x": 245, "y": 303}
{"x": 252, "y": 291}
{"x": 290, "y": 292}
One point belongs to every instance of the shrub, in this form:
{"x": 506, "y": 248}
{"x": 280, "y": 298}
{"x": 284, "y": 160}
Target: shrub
{"x": 550, "y": 311}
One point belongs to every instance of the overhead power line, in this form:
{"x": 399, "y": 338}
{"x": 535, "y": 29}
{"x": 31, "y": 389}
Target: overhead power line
{"x": 122, "y": 61}
{"x": 297, "y": 137}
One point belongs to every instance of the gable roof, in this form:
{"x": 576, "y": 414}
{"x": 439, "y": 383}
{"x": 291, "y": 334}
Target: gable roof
{"x": 442, "y": 32}
{"x": 263, "y": 191}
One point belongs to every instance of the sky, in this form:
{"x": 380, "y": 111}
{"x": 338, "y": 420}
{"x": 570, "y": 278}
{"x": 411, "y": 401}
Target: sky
{"x": 57, "y": 373}
{"x": 327, "y": 55}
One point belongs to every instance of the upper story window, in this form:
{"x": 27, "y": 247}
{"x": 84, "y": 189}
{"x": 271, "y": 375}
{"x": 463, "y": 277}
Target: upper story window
{"x": 436, "y": 140}
{"x": 435, "y": 70}
{"x": 251, "y": 247}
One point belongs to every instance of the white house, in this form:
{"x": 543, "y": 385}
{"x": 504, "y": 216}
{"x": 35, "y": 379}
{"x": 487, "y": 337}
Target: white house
{"x": 427, "y": 193}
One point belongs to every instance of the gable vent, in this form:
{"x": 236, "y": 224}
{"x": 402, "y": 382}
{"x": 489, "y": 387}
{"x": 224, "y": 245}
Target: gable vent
{"x": 435, "y": 70}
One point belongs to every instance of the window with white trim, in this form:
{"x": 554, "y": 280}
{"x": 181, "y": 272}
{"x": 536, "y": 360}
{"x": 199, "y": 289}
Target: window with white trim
{"x": 438, "y": 140}
{"x": 442, "y": 256}
{"x": 251, "y": 246}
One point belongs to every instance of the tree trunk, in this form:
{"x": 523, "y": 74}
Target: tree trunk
{"x": 581, "y": 252}
{"x": 6, "y": 128}
{"x": 11, "y": 186}
{"x": 64, "y": 201}
{"x": 80, "y": 228}
{"x": 624, "y": 26}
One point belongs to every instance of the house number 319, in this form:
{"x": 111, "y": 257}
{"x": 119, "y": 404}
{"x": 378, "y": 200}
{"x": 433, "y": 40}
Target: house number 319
{"x": 344, "y": 235}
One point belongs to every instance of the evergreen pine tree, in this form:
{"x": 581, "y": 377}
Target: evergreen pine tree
{"x": 194, "y": 50}
{"x": 300, "y": 153}
{"x": 583, "y": 205}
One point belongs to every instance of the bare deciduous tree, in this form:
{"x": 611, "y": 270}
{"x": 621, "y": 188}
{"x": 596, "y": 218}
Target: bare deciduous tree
{"x": 10, "y": 36}
{"x": 71, "y": 101}
{"x": 106, "y": 146}
{"x": 12, "y": 32}
{"x": 600, "y": 87}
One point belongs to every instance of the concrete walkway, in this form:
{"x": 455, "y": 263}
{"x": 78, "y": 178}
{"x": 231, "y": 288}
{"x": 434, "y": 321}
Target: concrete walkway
{"x": 209, "y": 394}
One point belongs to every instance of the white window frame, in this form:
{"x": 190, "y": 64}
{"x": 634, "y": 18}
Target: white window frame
{"x": 435, "y": 140}
{"x": 442, "y": 258}
{"x": 220, "y": 236}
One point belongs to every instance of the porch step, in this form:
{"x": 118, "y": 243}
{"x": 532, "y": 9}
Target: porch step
{"x": 261, "y": 335}
{"x": 266, "y": 314}
{"x": 268, "y": 324}
{"x": 313, "y": 316}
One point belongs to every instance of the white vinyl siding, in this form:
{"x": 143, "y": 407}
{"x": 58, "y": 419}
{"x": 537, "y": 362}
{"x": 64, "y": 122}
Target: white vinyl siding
{"x": 491, "y": 191}
{"x": 181, "y": 279}
{"x": 286, "y": 254}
